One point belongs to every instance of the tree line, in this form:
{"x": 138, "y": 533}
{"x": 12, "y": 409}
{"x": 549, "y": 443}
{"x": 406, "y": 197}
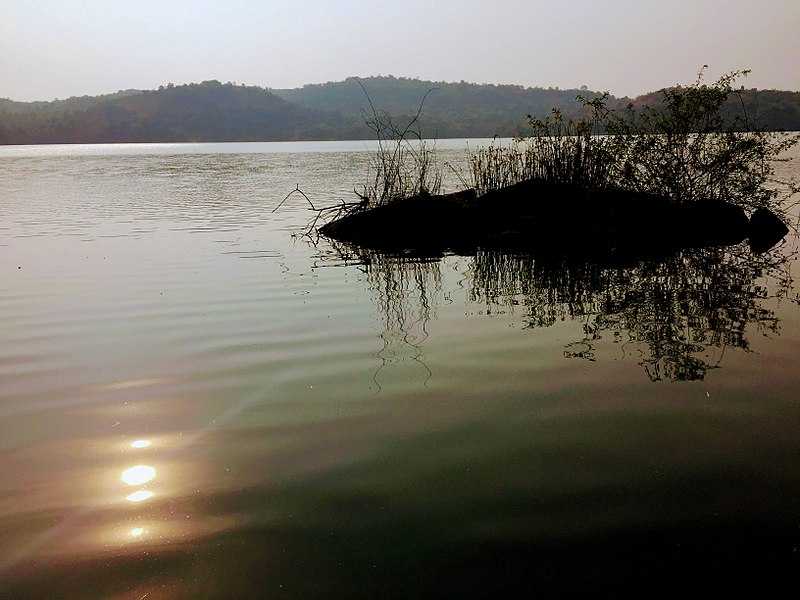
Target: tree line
{"x": 212, "y": 111}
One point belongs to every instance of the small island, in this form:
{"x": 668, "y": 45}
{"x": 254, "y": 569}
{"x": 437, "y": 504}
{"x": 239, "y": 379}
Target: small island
{"x": 609, "y": 186}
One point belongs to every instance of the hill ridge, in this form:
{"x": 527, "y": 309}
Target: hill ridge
{"x": 211, "y": 111}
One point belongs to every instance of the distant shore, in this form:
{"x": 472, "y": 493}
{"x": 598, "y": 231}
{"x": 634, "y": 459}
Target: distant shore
{"x": 214, "y": 112}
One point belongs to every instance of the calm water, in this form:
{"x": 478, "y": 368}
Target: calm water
{"x": 196, "y": 403}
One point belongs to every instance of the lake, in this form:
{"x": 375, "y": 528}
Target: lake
{"x": 198, "y": 401}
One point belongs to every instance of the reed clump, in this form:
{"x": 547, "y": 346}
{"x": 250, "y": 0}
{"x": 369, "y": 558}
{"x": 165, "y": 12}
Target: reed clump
{"x": 558, "y": 151}
{"x": 405, "y": 164}
{"x": 400, "y": 169}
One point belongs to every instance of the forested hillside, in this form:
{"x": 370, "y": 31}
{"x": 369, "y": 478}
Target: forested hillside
{"x": 774, "y": 110}
{"x": 209, "y": 111}
{"x": 213, "y": 111}
{"x": 451, "y": 109}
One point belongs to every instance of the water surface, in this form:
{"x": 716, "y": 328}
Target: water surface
{"x": 197, "y": 402}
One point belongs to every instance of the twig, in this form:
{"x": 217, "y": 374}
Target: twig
{"x": 296, "y": 190}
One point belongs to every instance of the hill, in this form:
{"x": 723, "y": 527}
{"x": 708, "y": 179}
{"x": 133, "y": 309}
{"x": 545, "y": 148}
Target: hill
{"x": 208, "y": 111}
{"x": 212, "y": 111}
{"x": 451, "y": 110}
{"x": 772, "y": 110}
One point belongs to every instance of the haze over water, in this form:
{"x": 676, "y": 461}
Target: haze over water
{"x": 195, "y": 402}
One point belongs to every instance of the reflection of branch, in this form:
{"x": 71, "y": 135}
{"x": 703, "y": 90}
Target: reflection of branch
{"x": 379, "y": 355}
{"x": 405, "y": 289}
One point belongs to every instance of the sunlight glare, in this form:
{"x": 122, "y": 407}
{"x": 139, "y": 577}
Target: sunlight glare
{"x": 138, "y": 475}
{"x": 139, "y": 496}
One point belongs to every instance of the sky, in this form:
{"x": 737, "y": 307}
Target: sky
{"x": 60, "y": 48}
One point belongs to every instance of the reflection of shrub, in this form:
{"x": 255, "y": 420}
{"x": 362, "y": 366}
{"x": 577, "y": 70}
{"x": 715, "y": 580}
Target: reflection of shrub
{"x": 674, "y": 314}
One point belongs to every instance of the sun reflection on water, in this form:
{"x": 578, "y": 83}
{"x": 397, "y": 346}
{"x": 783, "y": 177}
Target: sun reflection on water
{"x": 139, "y": 496}
{"x": 138, "y": 475}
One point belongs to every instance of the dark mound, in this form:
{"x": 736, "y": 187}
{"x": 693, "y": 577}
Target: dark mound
{"x": 553, "y": 219}
{"x": 766, "y": 230}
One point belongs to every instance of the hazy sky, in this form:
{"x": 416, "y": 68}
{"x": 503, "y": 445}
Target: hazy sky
{"x": 60, "y": 48}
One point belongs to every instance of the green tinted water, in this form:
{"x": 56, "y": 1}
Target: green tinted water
{"x": 195, "y": 403}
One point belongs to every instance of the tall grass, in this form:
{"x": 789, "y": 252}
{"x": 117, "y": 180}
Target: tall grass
{"x": 400, "y": 169}
{"x": 405, "y": 164}
{"x": 559, "y": 152}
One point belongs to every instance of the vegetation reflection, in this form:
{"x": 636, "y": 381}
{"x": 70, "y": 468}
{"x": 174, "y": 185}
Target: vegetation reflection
{"x": 679, "y": 314}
